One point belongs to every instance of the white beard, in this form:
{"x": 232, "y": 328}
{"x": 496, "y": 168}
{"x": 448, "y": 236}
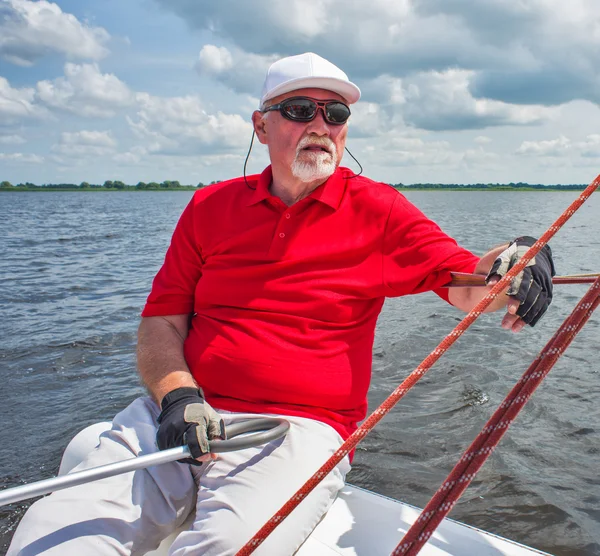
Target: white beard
{"x": 314, "y": 166}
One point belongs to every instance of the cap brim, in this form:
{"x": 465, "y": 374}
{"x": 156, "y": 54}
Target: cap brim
{"x": 346, "y": 89}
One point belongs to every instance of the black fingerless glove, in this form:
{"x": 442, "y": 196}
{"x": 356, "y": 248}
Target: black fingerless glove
{"x": 186, "y": 419}
{"x": 533, "y": 286}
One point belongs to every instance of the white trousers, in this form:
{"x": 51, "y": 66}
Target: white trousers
{"x": 232, "y": 496}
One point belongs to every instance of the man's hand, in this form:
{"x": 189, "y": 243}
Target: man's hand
{"x": 187, "y": 419}
{"x": 531, "y": 290}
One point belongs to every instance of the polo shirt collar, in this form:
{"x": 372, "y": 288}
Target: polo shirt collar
{"x": 329, "y": 193}
{"x": 261, "y": 189}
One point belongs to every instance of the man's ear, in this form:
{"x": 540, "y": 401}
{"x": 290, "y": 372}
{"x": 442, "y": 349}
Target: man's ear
{"x": 260, "y": 126}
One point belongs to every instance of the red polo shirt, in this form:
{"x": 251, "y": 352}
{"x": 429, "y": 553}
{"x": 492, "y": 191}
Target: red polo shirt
{"x": 285, "y": 299}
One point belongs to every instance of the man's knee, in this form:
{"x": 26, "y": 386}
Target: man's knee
{"x": 46, "y": 530}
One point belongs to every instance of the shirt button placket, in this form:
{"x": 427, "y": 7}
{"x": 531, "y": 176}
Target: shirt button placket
{"x": 287, "y": 217}
{"x": 278, "y": 245}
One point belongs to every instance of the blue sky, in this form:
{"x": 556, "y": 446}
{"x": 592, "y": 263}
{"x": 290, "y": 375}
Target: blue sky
{"x": 146, "y": 90}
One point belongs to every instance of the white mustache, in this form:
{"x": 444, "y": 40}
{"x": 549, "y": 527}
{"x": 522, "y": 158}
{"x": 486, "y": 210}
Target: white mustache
{"x": 324, "y": 142}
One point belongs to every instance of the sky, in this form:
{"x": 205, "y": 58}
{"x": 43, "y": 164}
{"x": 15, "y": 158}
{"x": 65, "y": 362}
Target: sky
{"x": 453, "y": 91}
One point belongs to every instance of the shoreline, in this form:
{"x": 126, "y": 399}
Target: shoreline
{"x": 464, "y": 189}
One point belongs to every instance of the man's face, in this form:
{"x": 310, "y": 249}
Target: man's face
{"x": 308, "y": 151}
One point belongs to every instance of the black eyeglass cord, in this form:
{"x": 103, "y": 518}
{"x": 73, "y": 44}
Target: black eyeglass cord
{"x": 250, "y": 149}
{"x": 246, "y": 162}
{"x": 357, "y": 162}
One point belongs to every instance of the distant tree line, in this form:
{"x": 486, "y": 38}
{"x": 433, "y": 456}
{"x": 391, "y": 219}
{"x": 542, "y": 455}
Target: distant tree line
{"x": 109, "y": 185}
{"x": 494, "y": 186}
{"x": 117, "y": 185}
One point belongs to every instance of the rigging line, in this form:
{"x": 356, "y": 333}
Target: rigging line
{"x": 376, "y": 416}
{"x": 488, "y": 438}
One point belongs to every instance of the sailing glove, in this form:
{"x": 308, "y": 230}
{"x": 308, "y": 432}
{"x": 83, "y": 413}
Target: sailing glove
{"x": 186, "y": 418}
{"x": 533, "y": 286}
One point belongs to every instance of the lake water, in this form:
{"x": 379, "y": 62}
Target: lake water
{"x": 75, "y": 269}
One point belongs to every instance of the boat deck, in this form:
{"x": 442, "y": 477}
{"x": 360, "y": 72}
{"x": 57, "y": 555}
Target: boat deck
{"x": 362, "y": 523}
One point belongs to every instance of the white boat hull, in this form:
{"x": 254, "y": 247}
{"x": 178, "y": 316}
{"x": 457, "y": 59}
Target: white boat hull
{"x": 359, "y": 523}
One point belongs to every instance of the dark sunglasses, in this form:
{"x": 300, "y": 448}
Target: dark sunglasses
{"x": 304, "y": 109}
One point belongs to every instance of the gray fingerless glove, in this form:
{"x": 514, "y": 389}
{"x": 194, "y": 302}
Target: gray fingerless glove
{"x": 533, "y": 286}
{"x": 186, "y": 418}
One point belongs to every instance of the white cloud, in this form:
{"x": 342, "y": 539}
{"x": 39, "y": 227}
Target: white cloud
{"x": 442, "y": 101}
{"x": 90, "y": 138}
{"x": 181, "y": 125}
{"x": 85, "y": 91}
{"x": 241, "y": 71}
{"x": 432, "y": 100}
{"x": 561, "y": 147}
{"x": 530, "y": 52}
{"x": 85, "y": 143}
{"x": 133, "y": 156}
{"x": 425, "y": 156}
{"x": 383, "y": 89}
{"x": 552, "y": 147}
{"x": 127, "y": 158}
{"x": 589, "y": 148}
{"x": 17, "y": 104}
{"x": 411, "y": 151}
{"x": 482, "y": 139}
{"x": 293, "y": 23}
{"x": 29, "y": 30}
{"x": 371, "y": 120}
{"x": 12, "y": 140}
{"x": 214, "y": 60}
{"x": 479, "y": 156}
{"x": 306, "y": 19}
{"x": 437, "y": 101}
{"x": 21, "y": 157}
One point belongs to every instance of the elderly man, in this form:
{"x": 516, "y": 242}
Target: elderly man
{"x": 266, "y": 304}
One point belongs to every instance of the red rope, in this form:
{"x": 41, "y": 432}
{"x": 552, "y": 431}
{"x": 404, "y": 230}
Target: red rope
{"x": 414, "y": 377}
{"x": 486, "y": 441}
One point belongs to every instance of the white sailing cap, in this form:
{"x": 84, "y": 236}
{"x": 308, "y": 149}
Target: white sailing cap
{"x": 305, "y": 71}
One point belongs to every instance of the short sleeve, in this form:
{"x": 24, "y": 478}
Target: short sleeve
{"x": 417, "y": 255}
{"x": 173, "y": 287}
